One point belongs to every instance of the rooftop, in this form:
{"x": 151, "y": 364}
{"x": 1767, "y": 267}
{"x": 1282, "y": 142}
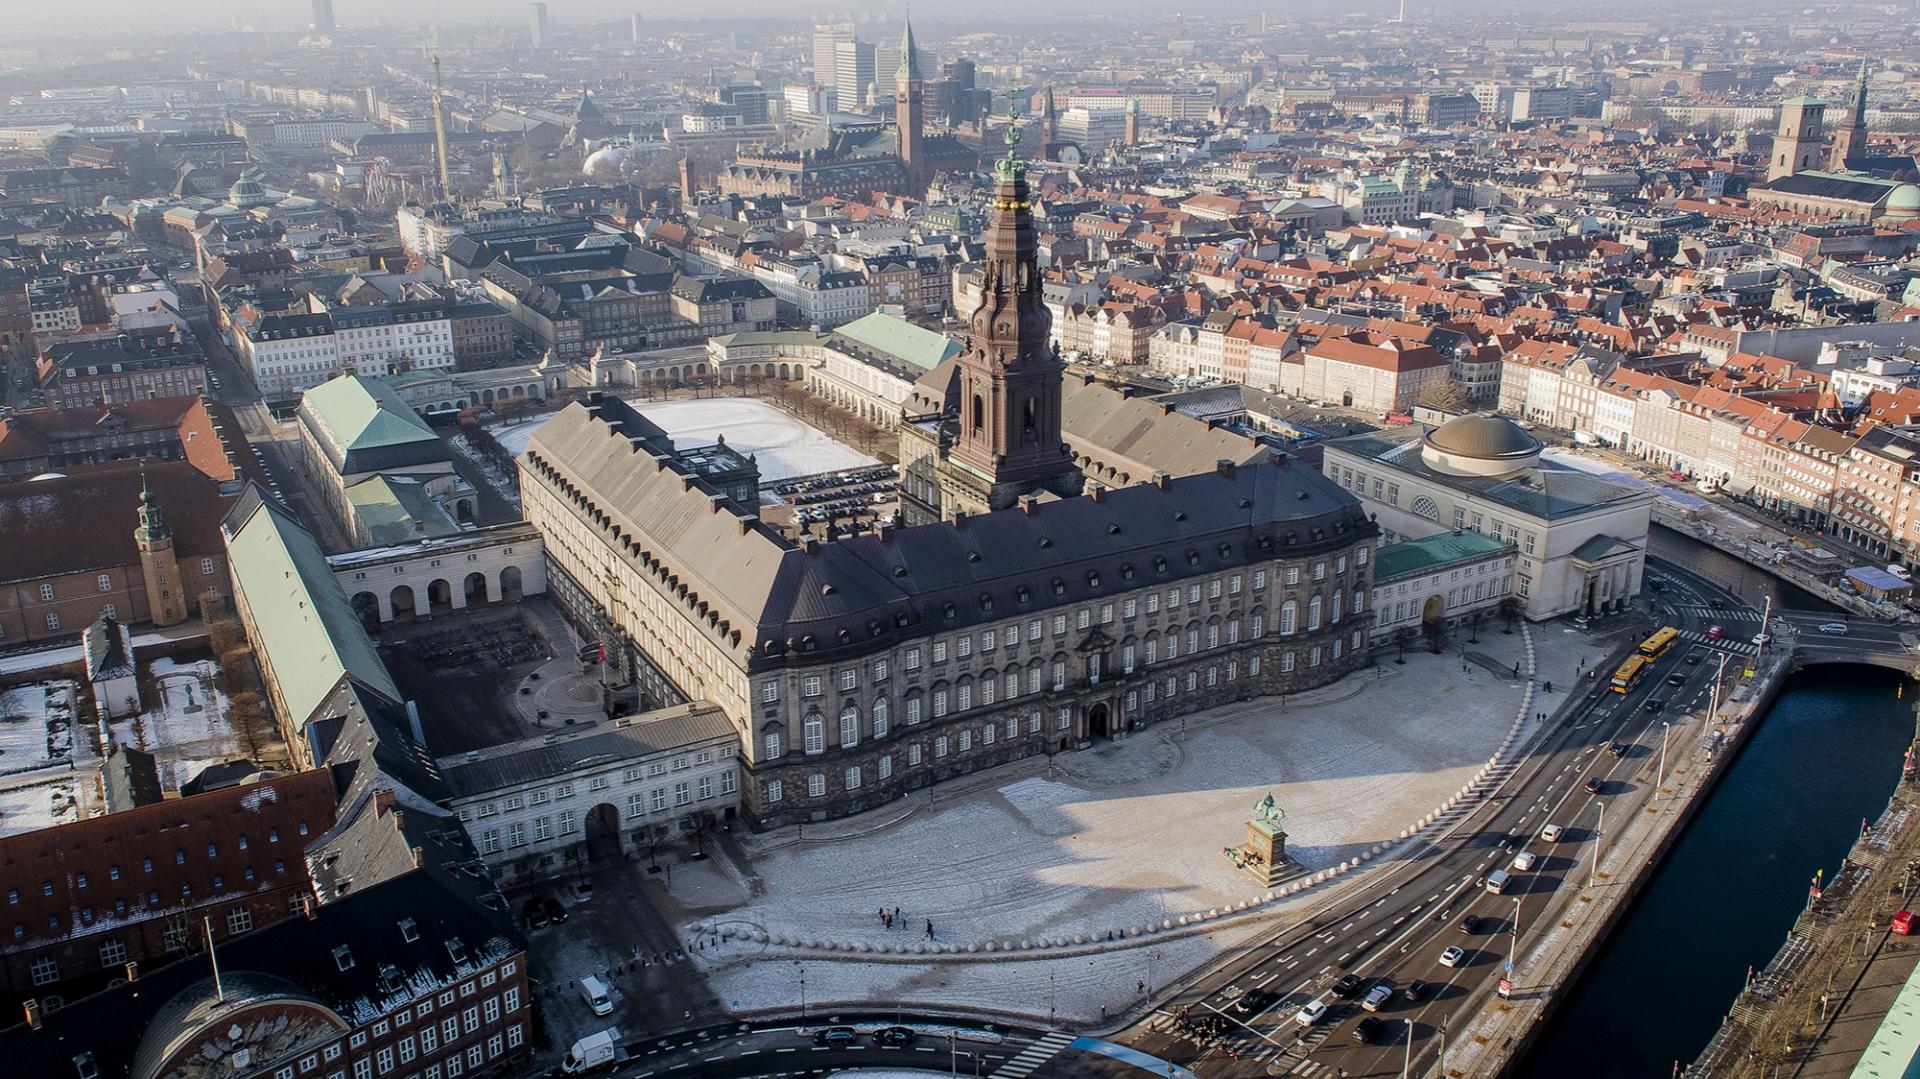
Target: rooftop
{"x": 1413, "y": 557}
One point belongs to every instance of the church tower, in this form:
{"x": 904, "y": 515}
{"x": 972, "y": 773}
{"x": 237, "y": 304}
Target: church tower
{"x": 1049, "y": 125}
{"x": 1133, "y": 122}
{"x": 910, "y": 113}
{"x": 1008, "y": 443}
{"x": 166, "y": 594}
{"x": 1851, "y": 141}
{"x": 1796, "y": 145}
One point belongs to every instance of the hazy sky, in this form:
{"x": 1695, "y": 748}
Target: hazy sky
{"x": 286, "y": 14}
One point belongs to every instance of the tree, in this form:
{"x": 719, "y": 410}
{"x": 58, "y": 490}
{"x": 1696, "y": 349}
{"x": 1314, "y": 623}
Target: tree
{"x": 1403, "y": 639}
{"x": 1436, "y": 634}
{"x": 1510, "y": 610}
{"x": 1446, "y": 395}
{"x": 1473, "y": 626}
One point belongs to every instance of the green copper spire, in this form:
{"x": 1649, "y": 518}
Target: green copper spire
{"x": 909, "y": 55}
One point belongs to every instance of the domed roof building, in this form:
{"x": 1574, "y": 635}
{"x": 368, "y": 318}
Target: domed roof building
{"x": 1479, "y": 446}
{"x": 1579, "y": 539}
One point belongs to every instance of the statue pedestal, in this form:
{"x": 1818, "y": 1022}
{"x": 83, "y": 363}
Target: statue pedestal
{"x": 1264, "y": 855}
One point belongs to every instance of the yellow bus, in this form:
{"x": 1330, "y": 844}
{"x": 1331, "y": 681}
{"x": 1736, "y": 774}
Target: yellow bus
{"x": 1629, "y": 673}
{"x": 1660, "y": 643}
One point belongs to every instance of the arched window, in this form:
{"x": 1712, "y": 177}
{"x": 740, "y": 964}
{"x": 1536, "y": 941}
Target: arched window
{"x": 1313, "y": 614}
{"x": 849, "y": 727}
{"x": 1032, "y": 421}
{"x": 979, "y": 413}
{"x": 1426, "y": 507}
{"x": 813, "y": 733}
{"x": 1288, "y": 613}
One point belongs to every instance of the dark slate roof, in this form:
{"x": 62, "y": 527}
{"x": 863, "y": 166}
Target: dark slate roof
{"x": 1827, "y": 186}
{"x": 131, "y": 779}
{"x": 764, "y": 594}
{"x": 106, "y": 644}
{"x": 560, "y": 755}
{"x": 127, "y": 1026}
{"x": 1546, "y": 491}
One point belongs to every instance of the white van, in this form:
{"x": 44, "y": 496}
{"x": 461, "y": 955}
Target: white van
{"x": 1497, "y": 881}
{"x": 594, "y": 992}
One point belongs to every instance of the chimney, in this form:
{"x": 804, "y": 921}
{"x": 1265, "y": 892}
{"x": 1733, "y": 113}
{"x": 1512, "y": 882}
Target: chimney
{"x": 1097, "y": 492}
{"x": 1224, "y": 466}
{"x": 419, "y": 857}
{"x": 33, "y": 1014}
{"x": 1162, "y": 479}
{"x": 133, "y": 970}
{"x": 810, "y": 543}
{"x": 307, "y": 907}
{"x": 383, "y": 800}
{"x": 1166, "y": 408}
{"x": 959, "y": 518}
{"x": 883, "y": 531}
{"x": 1029, "y": 504}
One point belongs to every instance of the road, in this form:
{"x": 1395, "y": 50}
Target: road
{"x": 1397, "y": 927}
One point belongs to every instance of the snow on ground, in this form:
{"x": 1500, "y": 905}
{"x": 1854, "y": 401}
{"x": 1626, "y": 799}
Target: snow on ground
{"x": 48, "y": 658}
{"x": 32, "y": 806}
{"x": 784, "y": 445}
{"x": 186, "y": 730}
{"x": 503, "y": 484}
{"x": 1120, "y": 835}
{"x": 36, "y": 727}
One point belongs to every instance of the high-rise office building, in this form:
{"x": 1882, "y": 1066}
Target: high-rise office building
{"x": 541, "y": 28}
{"x": 826, "y": 38}
{"x": 633, "y": 28}
{"x": 853, "y": 73}
{"x": 323, "y": 18}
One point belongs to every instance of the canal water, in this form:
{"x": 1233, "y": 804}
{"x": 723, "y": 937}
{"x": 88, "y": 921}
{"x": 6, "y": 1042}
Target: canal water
{"x": 1826, "y": 755}
{"x": 1748, "y": 582}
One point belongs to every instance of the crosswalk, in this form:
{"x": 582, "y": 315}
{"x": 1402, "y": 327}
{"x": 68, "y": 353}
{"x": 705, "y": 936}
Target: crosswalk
{"x": 1311, "y": 1069}
{"x": 1724, "y": 617}
{"x": 1739, "y": 646}
{"x": 1033, "y": 1056}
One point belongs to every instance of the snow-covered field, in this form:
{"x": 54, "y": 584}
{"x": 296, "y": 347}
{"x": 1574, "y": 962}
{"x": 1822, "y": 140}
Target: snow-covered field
{"x": 784, "y": 445}
{"x": 33, "y": 806}
{"x": 187, "y": 729}
{"x": 36, "y": 727}
{"x": 1121, "y": 835}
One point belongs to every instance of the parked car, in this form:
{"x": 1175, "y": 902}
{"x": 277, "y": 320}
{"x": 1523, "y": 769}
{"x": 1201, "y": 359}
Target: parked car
{"x": 555, "y": 912}
{"x": 534, "y": 915}
{"x": 894, "y": 1037}
{"x": 840, "y": 1036}
{"x": 1452, "y": 956}
{"x": 1347, "y": 987}
{"x": 583, "y": 891}
{"x": 1254, "y": 1001}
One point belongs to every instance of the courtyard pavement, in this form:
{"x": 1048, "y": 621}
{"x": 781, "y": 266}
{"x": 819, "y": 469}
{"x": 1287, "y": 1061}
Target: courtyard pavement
{"x": 1124, "y": 834}
{"x": 783, "y": 445}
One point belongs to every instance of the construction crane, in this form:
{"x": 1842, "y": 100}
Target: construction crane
{"x": 440, "y": 131}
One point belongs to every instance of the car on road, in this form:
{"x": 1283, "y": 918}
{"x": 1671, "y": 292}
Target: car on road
{"x": 1379, "y": 996}
{"x": 1452, "y": 956}
{"x": 894, "y": 1037}
{"x": 1470, "y": 924}
{"x": 1676, "y": 679}
{"x": 1525, "y": 860}
{"x": 1714, "y": 633}
{"x": 555, "y": 912}
{"x": 1761, "y": 638}
{"x": 840, "y": 1036}
{"x": 1312, "y": 1013}
{"x": 1596, "y": 785}
{"x": 1367, "y": 1031}
{"x": 582, "y": 892}
{"x": 1254, "y": 1001}
{"x": 1417, "y": 990}
{"x": 1621, "y": 749}
{"x": 1656, "y": 706}
{"x": 1551, "y": 833}
{"x": 1838, "y": 629}
{"x": 1347, "y": 987}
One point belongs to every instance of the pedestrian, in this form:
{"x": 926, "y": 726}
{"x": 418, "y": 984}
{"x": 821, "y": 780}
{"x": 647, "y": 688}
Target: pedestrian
{"x": 929, "y": 928}
{"x": 1139, "y": 986}
{"x": 883, "y": 915}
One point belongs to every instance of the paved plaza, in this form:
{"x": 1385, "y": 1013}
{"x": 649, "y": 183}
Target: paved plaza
{"x": 1122, "y": 835}
{"x": 783, "y": 445}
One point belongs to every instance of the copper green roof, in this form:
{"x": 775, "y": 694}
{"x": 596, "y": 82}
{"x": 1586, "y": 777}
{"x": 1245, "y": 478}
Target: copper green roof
{"x": 901, "y": 339}
{"x": 365, "y": 413}
{"x": 307, "y": 634}
{"x": 1413, "y": 557}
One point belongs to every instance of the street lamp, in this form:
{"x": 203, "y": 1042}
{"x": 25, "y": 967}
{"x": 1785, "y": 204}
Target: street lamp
{"x": 1406, "y": 1067}
{"x": 1661, "y": 780}
{"x": 802, "y": 968}
{"x": 1513, "y": 948}
{"x": 1599, "y": 829}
